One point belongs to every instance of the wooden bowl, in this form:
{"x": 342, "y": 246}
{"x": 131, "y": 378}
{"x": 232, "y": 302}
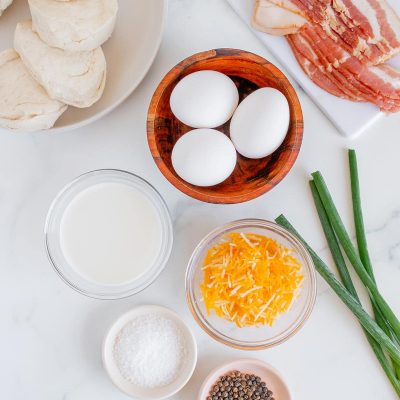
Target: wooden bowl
{"x": 251, "y": 178}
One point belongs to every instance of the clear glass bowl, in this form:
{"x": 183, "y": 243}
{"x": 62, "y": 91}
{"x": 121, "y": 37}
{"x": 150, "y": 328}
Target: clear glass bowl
{"x": 53, "y": 245}
{"x": 252, "y": 338}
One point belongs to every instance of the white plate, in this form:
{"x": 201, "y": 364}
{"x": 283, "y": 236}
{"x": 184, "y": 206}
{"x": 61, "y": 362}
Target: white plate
{"x": 350, "y": 118}
{"x": 129, "y": 388}
{"x": 129, "y": 53}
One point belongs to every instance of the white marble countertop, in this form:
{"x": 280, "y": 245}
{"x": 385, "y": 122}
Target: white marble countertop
{"x": 50, "y": 336}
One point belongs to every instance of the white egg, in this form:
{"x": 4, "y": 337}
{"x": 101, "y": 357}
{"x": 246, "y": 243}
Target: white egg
{"x": 204, "y": 99}
{"x": 204, "y": 157}
{"x": 260, "y": 123}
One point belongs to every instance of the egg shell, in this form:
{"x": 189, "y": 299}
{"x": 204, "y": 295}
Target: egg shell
{"x": 204, "y": 99}
{"x": 260, "y": 123}
{"x": 204, "y": 157}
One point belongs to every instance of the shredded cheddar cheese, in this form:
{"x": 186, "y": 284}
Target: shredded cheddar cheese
{"x": 250, "y": 279}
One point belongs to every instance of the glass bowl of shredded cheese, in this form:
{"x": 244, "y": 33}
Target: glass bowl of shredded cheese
{"x": 250, "y": 284}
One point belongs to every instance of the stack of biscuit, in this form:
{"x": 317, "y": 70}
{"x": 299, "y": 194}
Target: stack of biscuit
{"x": 57, "y": 61}
{"x": 4, "y": 4}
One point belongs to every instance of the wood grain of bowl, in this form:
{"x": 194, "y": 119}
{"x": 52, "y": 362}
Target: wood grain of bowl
{"x": 251, "y": 178}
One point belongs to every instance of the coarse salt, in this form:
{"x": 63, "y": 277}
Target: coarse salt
{"x": 150, "y": 351}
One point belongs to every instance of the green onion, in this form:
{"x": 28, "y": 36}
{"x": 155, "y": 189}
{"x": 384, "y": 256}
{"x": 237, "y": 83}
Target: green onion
{"x": 333, "y": 243}
{"x": 358, "y": 216}
{"x": 362, "y": 243}
{"x": 385, "y": 365}
{"x": 351, "y": 252}
{"x": 366, "y": 321}
{"x": 348, "y": 283}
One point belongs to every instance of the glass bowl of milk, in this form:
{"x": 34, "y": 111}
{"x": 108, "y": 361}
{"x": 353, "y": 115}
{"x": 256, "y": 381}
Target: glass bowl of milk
{"x": 108, "y": 234}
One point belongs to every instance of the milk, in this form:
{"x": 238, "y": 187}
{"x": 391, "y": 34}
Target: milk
{"x": 110, "y": 233}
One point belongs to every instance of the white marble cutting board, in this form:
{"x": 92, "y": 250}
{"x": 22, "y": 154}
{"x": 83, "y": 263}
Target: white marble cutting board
{"x": 350, "y": 118}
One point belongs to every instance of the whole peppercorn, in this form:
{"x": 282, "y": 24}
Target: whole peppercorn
{"x": 236, "y": 385}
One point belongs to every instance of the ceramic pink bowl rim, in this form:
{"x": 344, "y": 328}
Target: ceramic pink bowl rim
{"x": 274, "y": 377}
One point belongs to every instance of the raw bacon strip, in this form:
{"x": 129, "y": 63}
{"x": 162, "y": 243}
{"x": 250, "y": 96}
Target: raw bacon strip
{"x": 389, "y": 22}
{"x": 333, "y": 59}
{"x": 375, "y": 23}
{"x": 390, "y": 74}
{"x": 358, "y": 32}
{"x": 336, "y": 52}
{"x": 311, "y": 65}
{"x": 357, "y": 37}
{"x": 342, "y": 74}
{"x": 328, "y": 60}
{"x": 350, "y": 67}
{"x": 349, "y": 83}
{"x": 352, "y": 71}
{"x": 368, "y": 29}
